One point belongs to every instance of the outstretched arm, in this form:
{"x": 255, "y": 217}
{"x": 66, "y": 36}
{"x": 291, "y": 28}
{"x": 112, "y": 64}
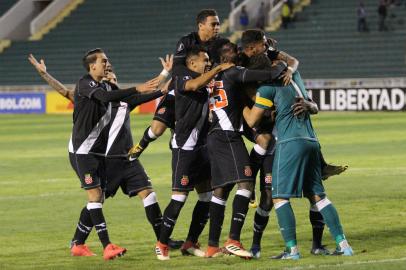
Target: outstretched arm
{"x": 205, "y": 78}
{"x": 54, "y": 83}
{"x": 158, "y": 81}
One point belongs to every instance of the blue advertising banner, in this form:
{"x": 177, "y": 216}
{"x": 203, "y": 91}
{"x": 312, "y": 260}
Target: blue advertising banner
{"x": 22, "y": 102}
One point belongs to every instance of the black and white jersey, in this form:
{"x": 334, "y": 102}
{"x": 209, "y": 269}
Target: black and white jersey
{"x": 226, "y": 98}
{"x": 191, "y": 113}
{"x": 192, "y": 39}
{"x": 90, "y": 117}
{"x": 119, "y": 135}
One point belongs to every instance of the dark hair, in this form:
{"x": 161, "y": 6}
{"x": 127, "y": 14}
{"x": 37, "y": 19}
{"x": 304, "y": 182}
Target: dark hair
{"x": 259, "y": 62}
{"x": 90, "y": 57}
{"x": 203, "y": 14}
{"x": 194, "y": 51}
{"x": 251, "y": 36}
{"x": 228, "y": 53}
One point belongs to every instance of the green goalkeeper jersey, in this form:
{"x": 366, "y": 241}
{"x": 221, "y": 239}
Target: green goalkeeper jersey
{"x": 288, "y": 126}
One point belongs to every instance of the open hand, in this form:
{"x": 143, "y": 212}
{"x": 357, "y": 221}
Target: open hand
{"x": 167, "y": 63}
{"x": 39, "y": 66}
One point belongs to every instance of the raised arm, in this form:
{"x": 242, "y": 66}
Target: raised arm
{"x": 54, "y": 83}
{"x": 292, "y": 62}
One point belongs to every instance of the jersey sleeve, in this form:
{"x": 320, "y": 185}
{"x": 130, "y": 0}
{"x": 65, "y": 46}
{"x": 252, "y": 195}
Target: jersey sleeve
{"x": 180, "y": 82}
{"x": 180, "y": 53}
{"x": 87, "y": 87}
{"x": 265, "y": 96}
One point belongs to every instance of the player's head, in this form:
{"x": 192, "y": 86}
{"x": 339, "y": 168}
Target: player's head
{"x": 228, "y": 53}
{"x": 95, "y": 62}
{"x": 253, "y": 42}
{"x": 208, "y": 24}
{"x": 197, "y": 59}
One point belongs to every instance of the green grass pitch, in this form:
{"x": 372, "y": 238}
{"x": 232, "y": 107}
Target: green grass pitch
{"x": 40, "y": 200}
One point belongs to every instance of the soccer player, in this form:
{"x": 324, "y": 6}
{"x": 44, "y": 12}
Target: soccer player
{"x": 261, "y": 217}
{"x": 297, "y": 165}
{"x": 208, "y": 25}
{"x": 229, "y": 158}
{"x": 190, "y": 163}
{"x": 129, "y": 175}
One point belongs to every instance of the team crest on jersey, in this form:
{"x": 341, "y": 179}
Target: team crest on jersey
{"x": 161, "y": 110}
{"x": 247, "y": 171}
{"x": 92, "y": 83}
{"x": 268, "y": 178}
{"x": 184, "y": 181}
{"x": 88, "y": 179}
{"x": 181, "y": 47}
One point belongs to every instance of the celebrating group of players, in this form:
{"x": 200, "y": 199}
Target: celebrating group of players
{"x": 218, "y": 93}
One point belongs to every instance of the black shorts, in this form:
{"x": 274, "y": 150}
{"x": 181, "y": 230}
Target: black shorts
{"x": 189, "y": 168}
{"x": 229, "y": 158}
{"x": 165, "y": 112}
{"x": 89, "y": 169}
{"x": 129, "y": 175}
{"x": 265, "y": 176}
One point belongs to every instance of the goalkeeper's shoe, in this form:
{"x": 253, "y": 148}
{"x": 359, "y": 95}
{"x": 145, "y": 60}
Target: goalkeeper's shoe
{"x": 81, "y": 250}
{"x": 135, "y": 152}
{"x": 235, "y": 247}
{"x": 112, "y": 251}
{"x": 343, "y": 249}
{"x": 331, "y": 170}
{"x": 293, "y": 254}
{"x": 320, "y": 251}
{"x": 162, "y": 251}
{"x": 190, "y": 248}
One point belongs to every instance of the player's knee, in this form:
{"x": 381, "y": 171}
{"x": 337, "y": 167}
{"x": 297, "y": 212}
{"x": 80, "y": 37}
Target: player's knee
{"x": 246, "y": 185}
{"x": 95, "y": 195}
{"x": 279, "y": 202}
{"x": 315, "y": 198}
{"x": 205, "y": 196}
{"x": 145, "y": 193}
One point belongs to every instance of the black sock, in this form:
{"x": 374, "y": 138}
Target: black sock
{"x": 317, "y": 221}
{"x": 261, "y": 219}
{"x": 146, "y": 138}
{"x": 200, "y": 217}
{"x": 154, "y": 217}
{"x": 171, "y": 214}
{"x": 83, "y": 228}
{"x": 96, "y": 213}
{"x": 240, "y": 209}
{"x": 217, "y": 208}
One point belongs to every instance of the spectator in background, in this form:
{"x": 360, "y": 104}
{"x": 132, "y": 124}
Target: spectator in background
{"x": 286, "y": 14}
{"x": 261, "y": 16}
{"x": 362, "y": 18}
{"x": 382, "y": 11}
{"x": 244, "y": 18}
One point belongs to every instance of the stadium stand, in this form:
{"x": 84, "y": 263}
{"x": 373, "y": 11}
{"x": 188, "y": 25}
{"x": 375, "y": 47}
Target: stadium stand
{"x": 6, "y": 5}
{"x": 134, "y": 33}
{"x": 327, "y": 44}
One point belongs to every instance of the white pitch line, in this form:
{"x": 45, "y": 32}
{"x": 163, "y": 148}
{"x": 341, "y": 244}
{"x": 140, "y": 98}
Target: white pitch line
{"x": 344, "y": 264}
